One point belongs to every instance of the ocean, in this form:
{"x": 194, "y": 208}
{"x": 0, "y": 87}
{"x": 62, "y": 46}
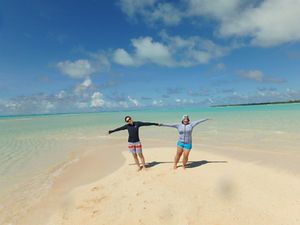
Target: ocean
{"x": 35, "y": 149}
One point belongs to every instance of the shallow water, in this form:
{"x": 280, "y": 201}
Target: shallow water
{"x": 34, "y": 149}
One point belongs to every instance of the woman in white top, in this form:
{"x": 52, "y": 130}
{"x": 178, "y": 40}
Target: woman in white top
{"x": 184, "y": 143}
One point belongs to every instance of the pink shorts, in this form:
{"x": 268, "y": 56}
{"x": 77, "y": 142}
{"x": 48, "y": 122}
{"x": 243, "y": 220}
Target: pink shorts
{"x": 135, "y": 147}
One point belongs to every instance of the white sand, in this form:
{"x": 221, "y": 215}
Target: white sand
{"x": 217, "y": 190}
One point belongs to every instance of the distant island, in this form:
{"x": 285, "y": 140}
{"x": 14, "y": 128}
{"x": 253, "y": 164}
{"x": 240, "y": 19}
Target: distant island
{"x": 259, "y": 103}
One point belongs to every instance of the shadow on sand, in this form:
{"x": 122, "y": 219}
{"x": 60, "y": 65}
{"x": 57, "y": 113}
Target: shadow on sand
{"x": 190, "y": 164}
{"x": 193, "y": 164}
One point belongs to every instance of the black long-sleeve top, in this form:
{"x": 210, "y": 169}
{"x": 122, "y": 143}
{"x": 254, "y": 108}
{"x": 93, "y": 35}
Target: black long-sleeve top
{"x": 133, "y": 130}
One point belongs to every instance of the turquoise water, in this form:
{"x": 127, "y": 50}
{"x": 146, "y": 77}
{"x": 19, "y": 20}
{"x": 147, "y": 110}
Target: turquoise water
{"x": 32, "y": 148}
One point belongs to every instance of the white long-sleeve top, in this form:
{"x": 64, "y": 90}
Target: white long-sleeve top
{"x": 185, "y": 131}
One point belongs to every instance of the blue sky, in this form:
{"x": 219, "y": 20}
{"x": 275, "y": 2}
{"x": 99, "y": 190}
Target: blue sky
{"x": 80, "y": 56}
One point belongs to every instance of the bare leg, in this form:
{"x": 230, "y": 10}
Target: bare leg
{"x": 136, "y": 161}
{"x": 185, "y": 158}
{"x": 177, "y": 156}
{"x": 142, "y": 159}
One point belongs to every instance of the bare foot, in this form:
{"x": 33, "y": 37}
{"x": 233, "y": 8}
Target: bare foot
{"x": 175, "y": 167}
{"x": 140, "y": 168}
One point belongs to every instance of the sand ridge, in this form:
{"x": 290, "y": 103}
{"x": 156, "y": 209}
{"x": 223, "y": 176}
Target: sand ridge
{"x": 214, "y": 190}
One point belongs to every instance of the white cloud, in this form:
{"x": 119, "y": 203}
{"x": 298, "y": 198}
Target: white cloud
{"x": 152, "y": 11}
{"x": 121, "y": 57}
{"x": 271, "y": 23}
{"x": 133, "y": 7}
{"x": 194, "y": 50}
{"x": 218, "y": 9}
{"x": 145, "y": 51}
{"x": 171, "y": 51}
{"x": 167, "y": 13}
{"x": 148, "y": 50}
{"x": 157, "y": 103}
{"x": 97, "y": 100}
{"x": 48, "y": 106}
{"x": 265, "y": 23}
{"x": 134, "y": 101}
{"x": 61, "y": 94}
{"x": 87, "y": 83}
{"x": 78, "y": 69}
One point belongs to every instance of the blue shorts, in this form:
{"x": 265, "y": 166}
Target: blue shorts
{"x": 185, "y": 146}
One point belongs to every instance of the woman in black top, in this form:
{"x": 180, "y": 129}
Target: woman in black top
{"x": 134, "y": 144}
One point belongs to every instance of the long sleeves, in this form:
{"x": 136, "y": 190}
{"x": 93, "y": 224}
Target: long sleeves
{"x": 147, "y": 124}
{"x": 170, "y": 125}
{"x": 185, "y": 130}
{"x": 118, "y": 129}
{"x": 133, "y": 130}
{"x": 195, "y": 123}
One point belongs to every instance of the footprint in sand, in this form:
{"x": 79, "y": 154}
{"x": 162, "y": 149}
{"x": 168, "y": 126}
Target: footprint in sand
{"x": 96, "y": 188}
{"x": 138, "y": 193}
{"x": 95, "y": 213}
{"x": 90, "y": 204}
{"x": 130, "y": 208}
{"x": 96, "y": 200}
{"x": 65, "y": 216}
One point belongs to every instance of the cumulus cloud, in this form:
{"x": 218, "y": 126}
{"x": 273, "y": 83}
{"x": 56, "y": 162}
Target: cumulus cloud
{"x": 270, "y": 23}
{"x": 83, "y": 68}
{"x": 120, "y": 56}
{"x": 171, "y": 51}
{"x": 78, "y": 69}
{"x": 133, "y": 7}
{"x": 167, "y": 13}
{"x": 157, "y": 103}
{"x": 86, "y": 84}
{"x": 194, "y": 50}
{"x": 218, "y": 9}
{"x": 97, "y": 100}
{"x": 148, "y": 50}
{"x": 152, "y": 11}
{"x": 145, "y": 51}
{"x": 265, "y": 23}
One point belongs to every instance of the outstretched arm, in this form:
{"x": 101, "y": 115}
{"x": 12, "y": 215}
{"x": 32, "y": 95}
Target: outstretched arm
{"x": 118, "y": 129}
{"x": 170, "y": 125}
{"x": 148, "y": 124}
{"x": 195, "y": 123}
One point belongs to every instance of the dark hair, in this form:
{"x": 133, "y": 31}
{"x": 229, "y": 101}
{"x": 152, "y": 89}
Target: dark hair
{"x": 126, "y": 118}
{"x": 187, "y": 119}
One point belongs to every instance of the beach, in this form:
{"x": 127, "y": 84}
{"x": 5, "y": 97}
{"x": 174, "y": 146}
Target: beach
{"x": 214, "y": 189}
{"x": 240, "y": 171}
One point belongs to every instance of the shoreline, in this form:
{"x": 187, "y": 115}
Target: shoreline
{"x": 96, "y": 165}
{"x": 87, "y": 164}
